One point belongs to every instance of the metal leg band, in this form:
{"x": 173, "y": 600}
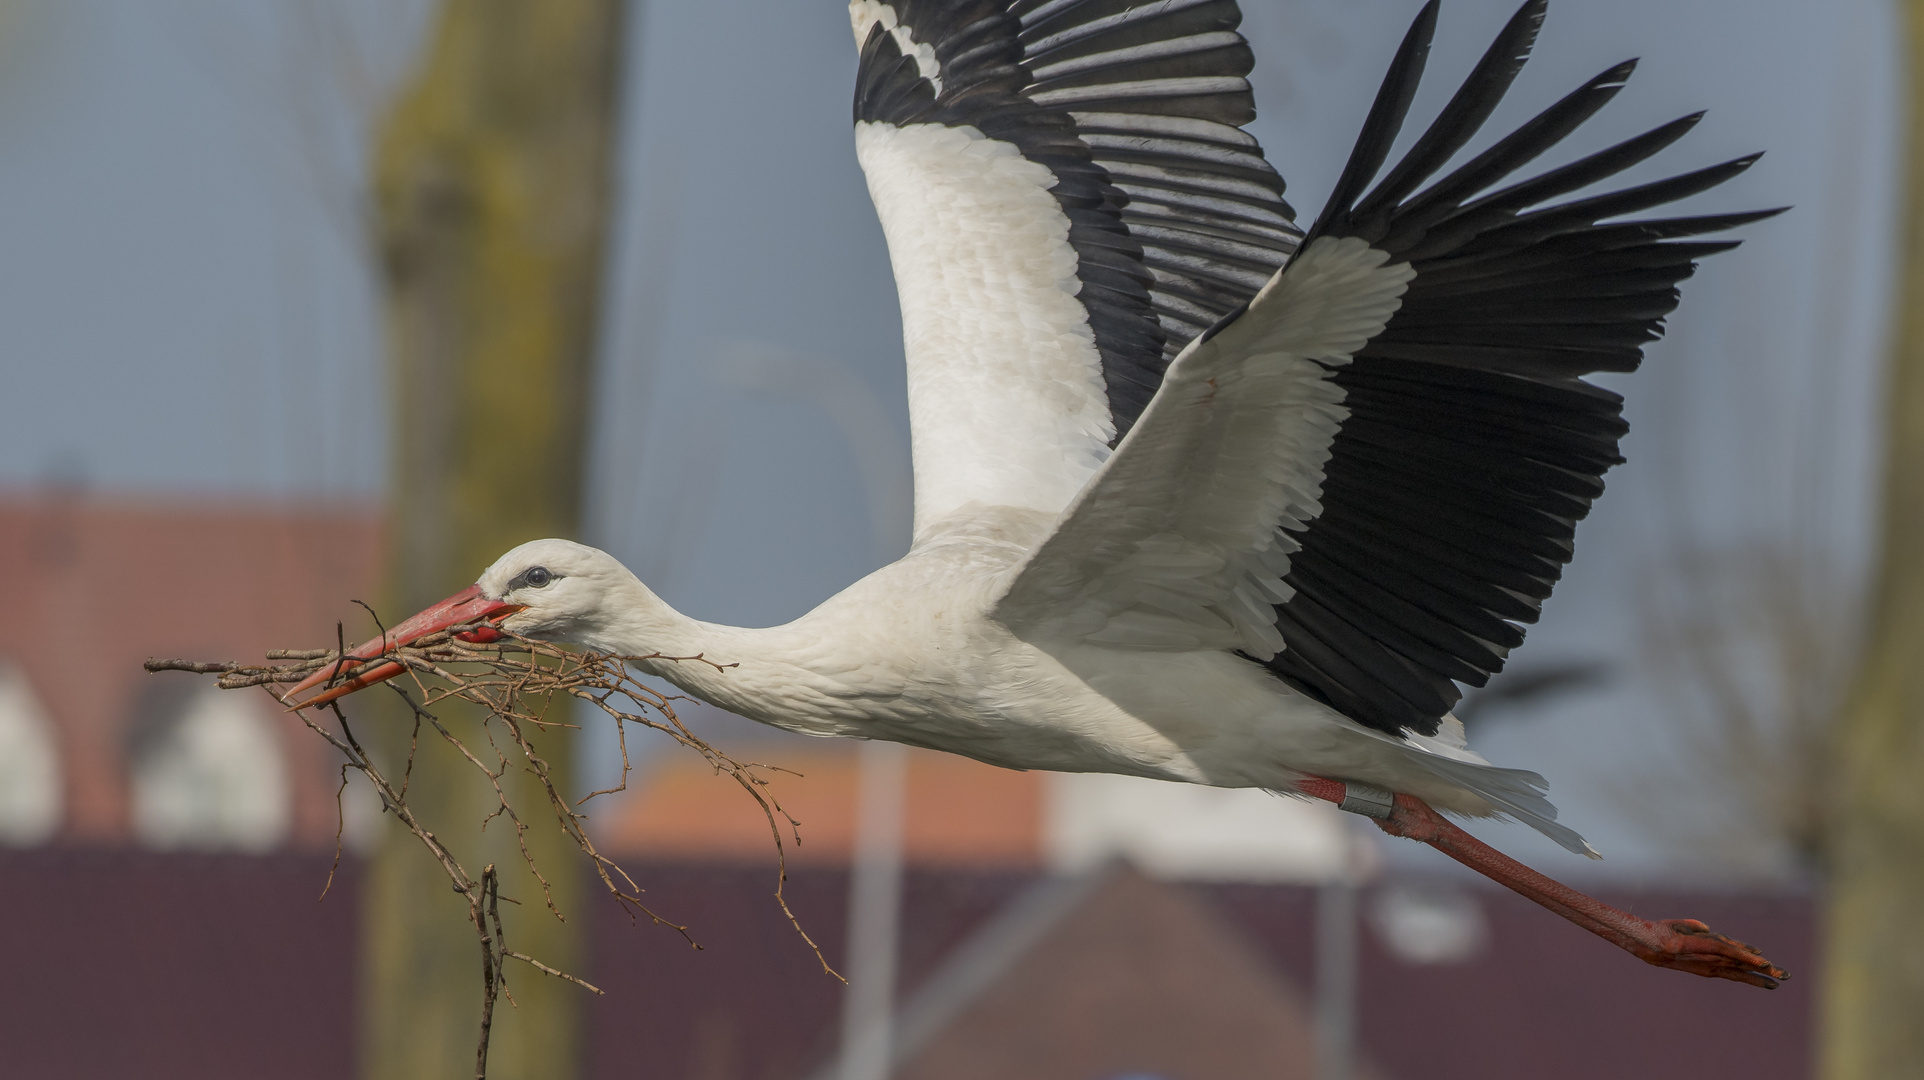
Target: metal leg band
{"x": 1366, "y": 800}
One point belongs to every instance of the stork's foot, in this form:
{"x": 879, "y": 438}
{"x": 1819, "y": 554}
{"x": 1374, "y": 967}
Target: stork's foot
{"x": 1688, "y": 945}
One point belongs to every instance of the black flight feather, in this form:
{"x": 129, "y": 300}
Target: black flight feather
{"x": 1472, "y": 445}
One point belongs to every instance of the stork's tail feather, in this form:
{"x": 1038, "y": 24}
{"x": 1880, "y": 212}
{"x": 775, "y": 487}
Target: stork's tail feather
{"x": 1521, "y": 794}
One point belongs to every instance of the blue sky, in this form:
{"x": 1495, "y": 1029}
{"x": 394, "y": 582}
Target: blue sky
{"x": 185, "y": 305}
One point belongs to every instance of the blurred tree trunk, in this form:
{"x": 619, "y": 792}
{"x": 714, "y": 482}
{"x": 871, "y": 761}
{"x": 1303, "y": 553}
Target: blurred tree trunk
{"x": 491, "y": 180}
{"x": 1873, "y": 995}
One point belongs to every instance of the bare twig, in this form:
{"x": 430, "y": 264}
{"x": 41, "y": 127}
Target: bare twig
{"x": 517, "y": 681}
{"x": 491, "y": 973}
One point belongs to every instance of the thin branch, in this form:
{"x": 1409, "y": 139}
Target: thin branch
{"x": 517, "y": 681}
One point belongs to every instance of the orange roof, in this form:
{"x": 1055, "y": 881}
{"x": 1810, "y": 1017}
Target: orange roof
{"x": 960, "y": 812}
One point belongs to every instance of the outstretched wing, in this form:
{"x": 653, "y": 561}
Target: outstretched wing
{"x": 1371, "y": 477}
{"x": 1068, "y": 201}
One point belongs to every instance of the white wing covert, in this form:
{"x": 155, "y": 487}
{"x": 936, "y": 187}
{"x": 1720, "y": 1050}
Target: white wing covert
{"x": 1180, "y": 542}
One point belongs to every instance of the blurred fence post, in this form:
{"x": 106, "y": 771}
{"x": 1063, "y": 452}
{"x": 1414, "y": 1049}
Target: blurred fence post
{"x": 1337, "y": 960}
{"x": 874, "y": 912}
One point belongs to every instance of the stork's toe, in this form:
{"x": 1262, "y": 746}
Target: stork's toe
{"x": 1689, "y": 945}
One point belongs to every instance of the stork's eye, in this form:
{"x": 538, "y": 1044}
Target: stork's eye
{"x": 534, "y": 577}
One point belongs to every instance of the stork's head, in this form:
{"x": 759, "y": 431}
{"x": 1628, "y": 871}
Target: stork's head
{"x": 554, "y": 590}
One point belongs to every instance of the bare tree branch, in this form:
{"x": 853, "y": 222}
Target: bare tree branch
{"x": 1754, "y": 645}
{"x": 518, "y": 682}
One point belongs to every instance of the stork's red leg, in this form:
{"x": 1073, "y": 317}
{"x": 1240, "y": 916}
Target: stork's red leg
{"x": 1684, "y": 944}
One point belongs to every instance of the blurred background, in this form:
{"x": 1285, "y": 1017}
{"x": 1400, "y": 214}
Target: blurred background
{"x": 316, "y": 301}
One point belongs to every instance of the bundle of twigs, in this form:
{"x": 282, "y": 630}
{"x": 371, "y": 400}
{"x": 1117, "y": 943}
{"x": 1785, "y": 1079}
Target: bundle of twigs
{"x": 518, "y": 681}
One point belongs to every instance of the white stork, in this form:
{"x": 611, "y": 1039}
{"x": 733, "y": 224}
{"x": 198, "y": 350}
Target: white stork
{"x": 1200, "y": 495}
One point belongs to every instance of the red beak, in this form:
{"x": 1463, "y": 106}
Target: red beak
{"x": 464, "y": 607}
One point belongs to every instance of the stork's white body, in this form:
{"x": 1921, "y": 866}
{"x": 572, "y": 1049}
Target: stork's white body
{"x": 911, "y": 654}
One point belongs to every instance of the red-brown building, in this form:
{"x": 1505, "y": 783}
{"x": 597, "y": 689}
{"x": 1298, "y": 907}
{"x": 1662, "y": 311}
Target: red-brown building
{"x": 222, "y": 967}
{"x": 100, "y": 585}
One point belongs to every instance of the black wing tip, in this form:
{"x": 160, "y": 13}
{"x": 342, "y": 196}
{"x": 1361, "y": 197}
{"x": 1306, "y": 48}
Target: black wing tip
{"x": 1468, "y": 109}
{"x": 1492, "y": 75}
{"x": 1714, "y": 175}
{"x": 1606, "y": 83}
{"x": 1385, "y": 118}
{"x": 1652, "y": 142}
{"x": 1531, "y": 14}
{"x": 1615, "y": 77}
{"x": 1420, "y": 36}
{"x": 1751, "y": 217}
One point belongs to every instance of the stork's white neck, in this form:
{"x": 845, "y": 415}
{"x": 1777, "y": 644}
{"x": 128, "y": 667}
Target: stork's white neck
{"x": 633, "y": 621}
{"x": 742, "y": 669}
